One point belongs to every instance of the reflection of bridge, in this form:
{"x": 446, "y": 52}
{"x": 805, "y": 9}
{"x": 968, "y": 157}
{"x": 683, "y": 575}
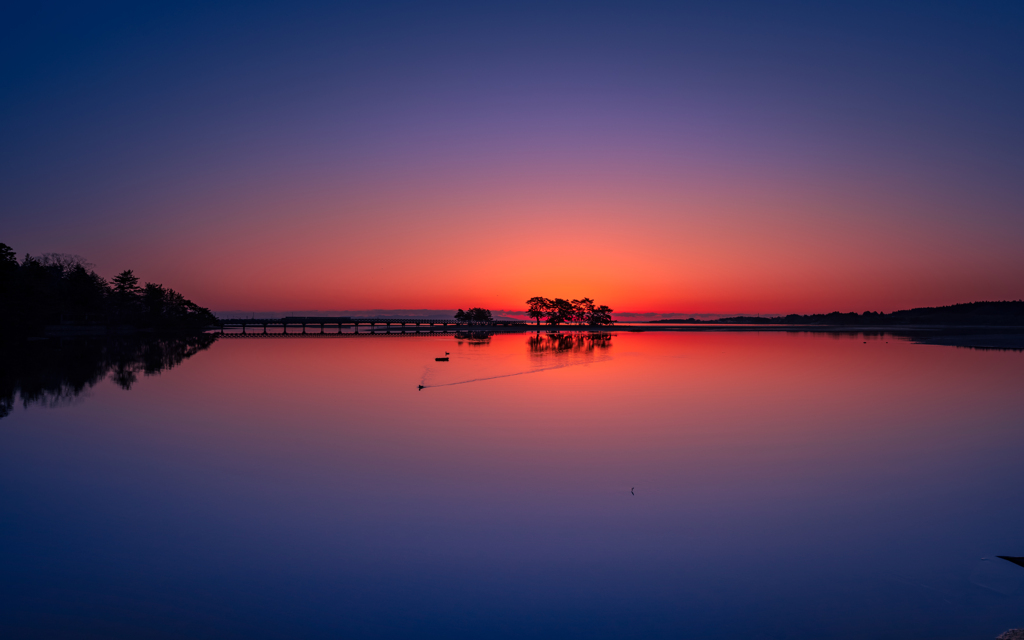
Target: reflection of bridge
{"x": 245, "y": 324}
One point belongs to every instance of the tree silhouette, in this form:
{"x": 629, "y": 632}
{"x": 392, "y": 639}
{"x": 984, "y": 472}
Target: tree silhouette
{"x": 8, "y": 272}
{"x": 561, "y": 312}
{"x": 8, "y": 259}
{"x": 64, "y": 262}
{"x": 601, "y": 315}
{"x": 126, "y": 283}
{"x": 540, "y": 307}
{"x": 582, "y": 311}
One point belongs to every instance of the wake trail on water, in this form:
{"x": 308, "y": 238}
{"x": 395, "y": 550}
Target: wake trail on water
{"x": 423, "y": 381}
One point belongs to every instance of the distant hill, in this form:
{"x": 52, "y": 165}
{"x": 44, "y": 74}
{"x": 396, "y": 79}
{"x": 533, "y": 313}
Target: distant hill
{"x": 1003, "y": 313}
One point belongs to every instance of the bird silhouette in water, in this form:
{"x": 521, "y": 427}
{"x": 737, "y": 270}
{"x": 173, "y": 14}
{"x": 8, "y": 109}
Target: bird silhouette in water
{"x": 419, "y": 388}
{"x": 631, "y": 491}
{"x": 446, "y": 353}
{"x": 1017, "y": 560}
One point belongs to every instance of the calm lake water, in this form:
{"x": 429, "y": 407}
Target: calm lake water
{"x": 783, "y": 485}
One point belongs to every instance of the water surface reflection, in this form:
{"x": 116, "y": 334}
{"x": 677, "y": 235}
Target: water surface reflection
{"x": 557, "y": 342}
{"x": 55, "y": 372}
{"x": 786, "y": 486}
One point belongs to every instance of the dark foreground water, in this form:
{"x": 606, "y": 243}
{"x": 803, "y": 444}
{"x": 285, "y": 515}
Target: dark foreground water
{"x": 783, "y": 486}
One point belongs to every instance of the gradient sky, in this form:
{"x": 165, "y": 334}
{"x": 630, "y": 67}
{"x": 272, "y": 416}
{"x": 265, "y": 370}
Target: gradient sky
{"x": 729, "y": 157}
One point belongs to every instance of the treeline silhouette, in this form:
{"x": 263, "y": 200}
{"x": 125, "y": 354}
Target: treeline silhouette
{"x": 1002, "y": 313}
{"x": 561, "y": 311}
{"x": 58, "y": 288}
{"x": 51, "y": 372}
{"x": 474, "y": 314}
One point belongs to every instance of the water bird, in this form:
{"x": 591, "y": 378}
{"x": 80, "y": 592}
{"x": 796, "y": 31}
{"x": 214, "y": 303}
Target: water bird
{"x": 446, "y": 353}
{"x": 631, "y": 491}
{"x": 444, "y": 359}
{"x": 1017, "y": 560}
{"x": 420, "y": 388}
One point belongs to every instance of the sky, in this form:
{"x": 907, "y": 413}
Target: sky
{"x": 659, "y": 157}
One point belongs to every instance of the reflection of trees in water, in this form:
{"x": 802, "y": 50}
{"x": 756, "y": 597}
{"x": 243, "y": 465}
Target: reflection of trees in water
{"x": 53, "y": 372}
{"x": 474, "y": 338}
{"x": 568, "y": 342}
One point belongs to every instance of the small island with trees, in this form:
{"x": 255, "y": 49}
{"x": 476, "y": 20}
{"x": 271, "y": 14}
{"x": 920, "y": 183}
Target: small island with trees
{"x": 474, "y": 315}
{"x": 560, "y": 311}
{"x": 554, "y": 312}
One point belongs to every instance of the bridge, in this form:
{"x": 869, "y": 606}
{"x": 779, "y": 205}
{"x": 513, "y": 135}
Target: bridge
{"x": 321, "y": 322}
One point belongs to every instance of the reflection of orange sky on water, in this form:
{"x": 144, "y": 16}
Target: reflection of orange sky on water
{"x": 762, "y": 463}
{"x": 652, "y": 405}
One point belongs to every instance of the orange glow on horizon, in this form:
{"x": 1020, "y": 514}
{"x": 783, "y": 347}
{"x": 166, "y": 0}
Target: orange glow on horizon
{"x": 661, "y": 248}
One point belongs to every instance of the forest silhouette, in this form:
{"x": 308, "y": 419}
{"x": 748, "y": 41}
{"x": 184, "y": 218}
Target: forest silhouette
{"x": 59, "y": 288}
